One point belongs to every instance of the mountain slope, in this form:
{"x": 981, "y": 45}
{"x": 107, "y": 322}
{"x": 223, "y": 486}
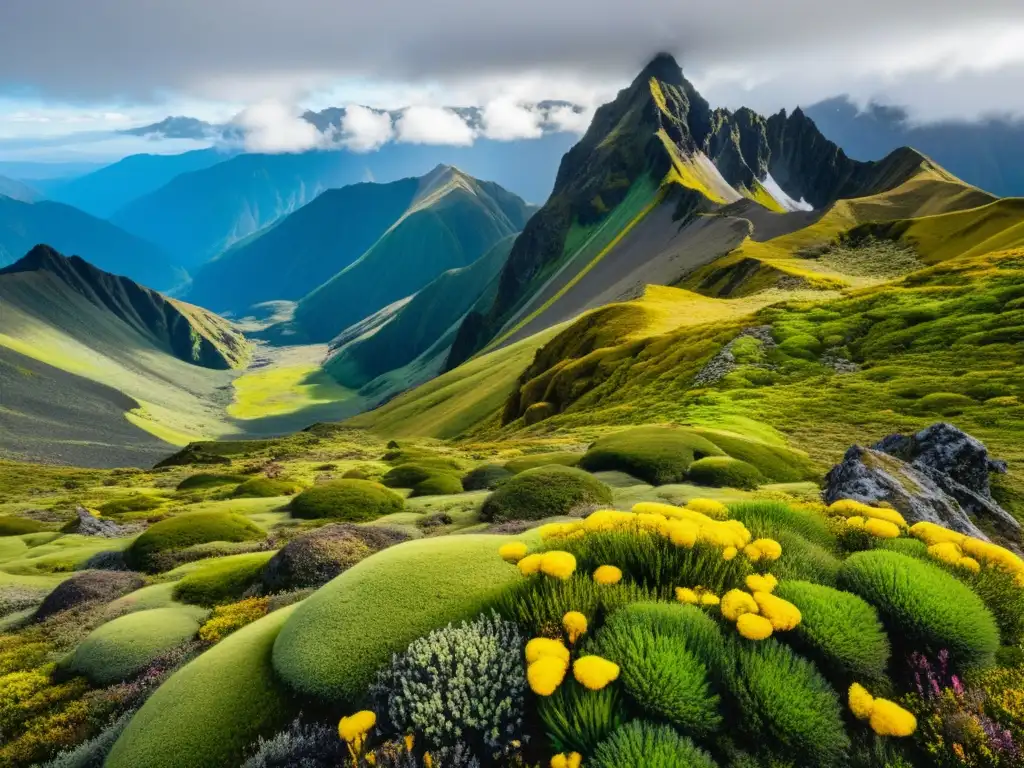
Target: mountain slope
{"x": 107, "y": 190}
{"x": 23, "y": 225}
{"x": 452, "y": 221}
{"x": 16, "y": 190}
{"x": 305, "y": 249}
{"x": 654, "y": 164}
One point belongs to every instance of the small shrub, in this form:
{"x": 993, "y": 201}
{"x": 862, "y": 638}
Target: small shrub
{"x": 92, "y": 753}
{"x": 544, "y": 492}
{"x": 657, "y": 455}
{"x": 724, "y": 472}
{"x": 534, "y": 460}
{"x": 137, "y": 502}
{"x": 652, "y": 746}
{"x": 577, "y": 719}
{"x": 905, "y": 546}
{"x": 944, "y": 403}
{"x": 183, "y": 531}
{"x": 223, "y": 580}
{"x": 461, "y": 684}
{"x": 838, "y": 630}
{"x": 922, "y": 606}
{"x": 785, "y": 704}
{"x": 777, "y": 463}
{"x": 203, "y": 480}
{"x": 300, "y": 745}
{"x": 438, "y": 485}
{"x": 485, "y": 478}
{"x": 356, "y": 473}
{"x": 225, "y": 619}
{"x": 354, "y": 501}
{"x": 265, "y": 488}
{"x": 11, "y": 525}
{"x": 411, "y": 475}
{"x": 771, "y": 518}
{"x": 1003, "y": 597}
{"x": 88, "y": 587}
{"x": 804, "y": 560}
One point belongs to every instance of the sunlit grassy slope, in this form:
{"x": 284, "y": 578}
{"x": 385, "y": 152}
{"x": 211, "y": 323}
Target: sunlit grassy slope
{"x": 278, "y": 390}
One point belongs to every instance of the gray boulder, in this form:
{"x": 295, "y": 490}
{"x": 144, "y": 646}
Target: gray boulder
{"x": 88, "y": 525}
{"x": 939, "y": 475}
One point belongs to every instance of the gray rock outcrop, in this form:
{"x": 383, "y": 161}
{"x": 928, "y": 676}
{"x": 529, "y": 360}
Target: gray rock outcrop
{"x": 88, "y": 525}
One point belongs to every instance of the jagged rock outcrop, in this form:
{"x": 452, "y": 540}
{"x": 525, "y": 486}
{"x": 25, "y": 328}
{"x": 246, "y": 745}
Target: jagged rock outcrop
{"x": 88, "y": 525}
{"x": 938, "y": 475}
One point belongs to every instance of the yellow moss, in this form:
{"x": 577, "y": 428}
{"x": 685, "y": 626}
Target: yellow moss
{"x": 782, "y": 614}
{"x": 881, "y": 529}
{"x": 762, "y": 583}
{"x": 575, "y": 625}
{"x": 546, "y": 674}
{"x": 512, "y": 552}
{"x": 736, "y": 603}
{"x": 861, "y": 702}
{"x": 594, "y": 673}
{"x": 890, "y": 719}
{"x": 754, "y": 627}
{"x": 558, "y": 564}
{"x": 607, "y": 574}
{"x": 530, "y": 564}
{"x": 540, "y": 647}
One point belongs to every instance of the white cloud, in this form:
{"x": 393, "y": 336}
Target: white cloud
{"x": 433, "y": 125}
{"x": 364, "y": 130}
{"x": 275, "y": 127}
{"x": 506, "y": 120}
{"x": 565, "y": 118}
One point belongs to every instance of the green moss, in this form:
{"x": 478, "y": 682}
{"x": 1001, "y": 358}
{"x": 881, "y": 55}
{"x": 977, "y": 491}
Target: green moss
{"x": 138, "y": 502}
{"x": 771, "y": 518}
{"x": 724, "y": 472}
{"x": 377, "y": 607}
{"x": 351, "y": 500}
{"x": 208, "y": 713}
{"x": 187, "y": 530}
{"x": 265, "y": 487}
{"x": 124, "y": 647}
{"x": 438, "y": 485}
{"x": 534, "y": 460}
{"x": 775, "y": 462}
{"x": 485, "y": 478}
{"x": 203, "y": 480}
{"x": 544, "y": 492}
{"x": 222, "y": 580}
{"x": 944, "y": 403}
{"x": 652, "y": 746}
{"x": 16, "y": 526}
{"x": 657, "y": 455}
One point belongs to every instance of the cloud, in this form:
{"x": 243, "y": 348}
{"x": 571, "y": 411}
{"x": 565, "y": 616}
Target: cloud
{"x": 566, "y": 118}
{"x": 364, "y": 129}
{"x": 505, "y": 120}
{"x": 274, "y": 127}
{"x": 433, "y": 125}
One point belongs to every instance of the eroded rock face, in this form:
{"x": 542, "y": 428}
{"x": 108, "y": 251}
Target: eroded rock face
{"x": 92, "y": 526}
{"x": 939, "y": 475}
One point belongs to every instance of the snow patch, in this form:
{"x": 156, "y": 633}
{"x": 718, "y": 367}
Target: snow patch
{"x": 780, "y": 196}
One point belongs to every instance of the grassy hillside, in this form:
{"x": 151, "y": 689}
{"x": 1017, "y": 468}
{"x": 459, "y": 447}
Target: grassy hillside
{"x": 453, "y": 221}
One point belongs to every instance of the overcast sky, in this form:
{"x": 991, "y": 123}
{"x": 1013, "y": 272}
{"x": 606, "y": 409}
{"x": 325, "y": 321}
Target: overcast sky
{"x": 94, "y": 65}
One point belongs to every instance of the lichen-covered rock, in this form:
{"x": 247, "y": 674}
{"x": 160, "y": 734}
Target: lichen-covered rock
{"x": 938, "y": 475}
{"x": 88, "y": 587}
{"x": 88, "y": 525}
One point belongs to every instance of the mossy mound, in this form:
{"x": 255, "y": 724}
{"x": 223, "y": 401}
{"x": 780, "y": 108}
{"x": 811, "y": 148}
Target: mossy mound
{"x": 485, "y": 478}
{"x": 657, "y": 455}
{"x": 265, "y": 488}
{"x": 411, "y": 475}
{"x": 724, "y": 472}
{"x": 401, "y": 593}
{"x": 544, "y": 492}
{"x": 353, "y": 501}
{"x": 121, "y": 649}
{"x": 777, "y": 463}
{"x": 438, "y": 485}
{"x": 222, "y": 580}
{"x": 208, "y": 713}
{"x": 88, "y": 587}
{"x": 11, "y": 525}
{"x": 203, "y": 480}
{"x": 185, "y": 531}
{"x": 534, "y": 460}
{"x": 137, "y": 502}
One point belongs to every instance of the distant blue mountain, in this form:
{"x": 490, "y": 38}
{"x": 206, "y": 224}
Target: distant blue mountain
{"x": 988, "y": 154}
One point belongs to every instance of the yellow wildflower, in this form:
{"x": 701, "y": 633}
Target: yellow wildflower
{"x": 762, "y": 583}
{"x": 608, "y": 574}
{"x": 754, "y": 627}
{"x": 847, "y": 508}
{"x": 763, "y": 549}
{"x": 541, "y": 647}
{"x": 558, "y": 564}
{"x": 682, "y": 533}
{"x": 947, "y": 552}
{"x": 856, "y": 522}
{"x": 713, "y": 509}
{"x": 655, "y": 508}
{"x": 970, "y": 564}
{"x": 729, "y": 553}
{"x": 546, "y": 674}
{"x": 782, "y": 614}
{"x": 570, "y": 760}
{"x": 595, "y": 673}
{"x": 686, "y": 595}
{"x": 888, "y": 515}
{"x": 575, "y": 624}
{"x": 608, "y": 520}
{"x": 428, "y": 761}
{"x": 371, "y": 759}
{"x": 356, "y": 726}
{"x": 512, "y": 552}
{"x": 861, "y": 702}
{"x": 736, "y": 603}
{"x": 650, "y": 522}
{"x": 709, "y": 598}
{"x": 930, "y": 533}
{"x": 882, "y": 529}
{"x": 530, "y": 564}
{"x": 410, "y": 742}
{"x": 890, "y": 719}
{"x": 993, "y": 554}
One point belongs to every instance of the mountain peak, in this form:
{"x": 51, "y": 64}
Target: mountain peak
{"x": 662, "y": 67}
{"x": 39, "y": 258}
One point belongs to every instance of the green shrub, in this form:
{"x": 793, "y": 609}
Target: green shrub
{"x": 771, "y": 518}
{"x": 187, "y": 530}
{"x": 438, "y": 485}
{"x": 839, "y": 631}
{"x": 664, "y": 652}
{"x": 122, "y": 648}
{"x": 639, "y": 743}
{"x": 86, "y": 588}
{"x": 377, "y": 607}
{"x": 222, "y": 580}
{"x": 203, "y": 480}
{"x": 16, "y": 526}
{"x": 657, "y": 455}
{"x": 577, "y": 719}
{"x": 1003, "y": 597}
{"x": 785, "y": 704}
{"x": 354, "y": 501}
{"x": 356, "y": 473}
{"x": 905, "y": 546}
{"x": 225, "y": 619}
{"x": 544, "y": 492}
{"x": 462, "y": 684}
{"x": 209, "y": 712}
{"x": 137, "y": 502}
{"x": 485, "y": 478}
{"x": 944, "y": 403}
{"x": 922, "y": 606}
{"x": 804, "y": 560}
{"x": 534, "y": 460}
{"x": 265, "y": 488}
{"x": 411, "y": 475}
{"x": 724, "y": 472}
